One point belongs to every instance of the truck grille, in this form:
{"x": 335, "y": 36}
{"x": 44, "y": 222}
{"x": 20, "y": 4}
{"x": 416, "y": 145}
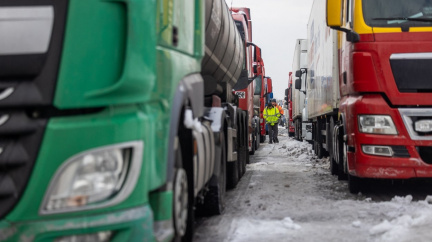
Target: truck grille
{"x": 19, "y": 145}
{"x": 28, "y": 77}
{"x": 412, "y": 72}
{"x": 425, "y": 153}
{"x": 412, "y": 115}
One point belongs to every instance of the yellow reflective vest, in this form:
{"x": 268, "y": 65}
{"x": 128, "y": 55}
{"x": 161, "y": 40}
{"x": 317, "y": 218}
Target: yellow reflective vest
{"x": 271, "y": 115}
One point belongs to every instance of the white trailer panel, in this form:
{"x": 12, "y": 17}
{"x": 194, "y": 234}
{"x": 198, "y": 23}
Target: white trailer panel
{"x": 299, "y": 61}
{"x": 322, "y": 80}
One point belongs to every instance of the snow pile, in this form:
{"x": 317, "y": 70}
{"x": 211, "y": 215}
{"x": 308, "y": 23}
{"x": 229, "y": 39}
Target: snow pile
{"x": 250, "y": 230}
{"x": 416, "y": 220}
{"x": 300, "y": 151}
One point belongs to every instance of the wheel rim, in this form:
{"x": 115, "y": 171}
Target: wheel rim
{"x": 181, "y": 202}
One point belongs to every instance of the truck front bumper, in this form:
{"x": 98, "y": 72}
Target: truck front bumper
{"x": 410, "y": 153}
{"x": 134, "y": 224}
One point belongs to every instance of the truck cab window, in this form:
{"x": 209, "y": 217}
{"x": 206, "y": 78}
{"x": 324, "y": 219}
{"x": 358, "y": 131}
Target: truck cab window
{"x": 397, "y": 13}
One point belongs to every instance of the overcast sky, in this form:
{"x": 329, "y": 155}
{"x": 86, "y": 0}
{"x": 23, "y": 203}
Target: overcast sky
{"x": 276, "y": 26}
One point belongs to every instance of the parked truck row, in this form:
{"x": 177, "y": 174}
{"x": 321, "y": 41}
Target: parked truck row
{"x": 368, "y": 88}
{"x": 122, "y": 119}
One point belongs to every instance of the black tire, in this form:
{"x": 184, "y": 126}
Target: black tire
{"x": 232, "y": 174}
{"x": 333, "y": 167}
{"x": 340, "y": 153}
{"x": 214, "y": 201}
{"x": 247, "y": 160}
{"x": 355, "y": 184}
{"x": 330, "y": 138}
{"x": 242, "y": 144}
{"x": 253, "y": 145}
{"x": 262, "y": 138}
{"x": 257, "y": 143}
{"x": 242, "y": 160}
{"x": 320, "y": 150}
{"x": 183, "y": 197}
{"x": 319, "y": 143}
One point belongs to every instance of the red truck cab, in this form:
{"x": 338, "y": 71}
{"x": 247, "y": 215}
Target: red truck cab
{"x": 385, "y": 87}
{"x": 243, "y": 22}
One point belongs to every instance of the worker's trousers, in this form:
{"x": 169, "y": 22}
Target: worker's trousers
{"x": 273, "y": 132}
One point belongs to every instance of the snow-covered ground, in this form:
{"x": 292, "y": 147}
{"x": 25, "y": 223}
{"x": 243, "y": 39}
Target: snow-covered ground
{"x": 287, "y": 194}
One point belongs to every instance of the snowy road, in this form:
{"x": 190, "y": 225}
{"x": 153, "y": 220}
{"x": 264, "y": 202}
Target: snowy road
{"x": 289, "y": 195}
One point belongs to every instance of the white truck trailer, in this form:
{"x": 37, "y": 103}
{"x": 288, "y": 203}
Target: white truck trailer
{"x": 322, "y": 81}
{"x": 303, "y": 128}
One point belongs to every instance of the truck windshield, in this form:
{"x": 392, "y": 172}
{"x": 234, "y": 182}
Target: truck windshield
{"x": 397, "y": 13}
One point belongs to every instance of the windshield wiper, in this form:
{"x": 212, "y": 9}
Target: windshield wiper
{"x": 406, "y": 19}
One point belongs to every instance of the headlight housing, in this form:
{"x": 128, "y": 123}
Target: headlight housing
{"x": 378, "y": 150}
{"x": 95, "y": 178}
{"x": 376, "y": 124}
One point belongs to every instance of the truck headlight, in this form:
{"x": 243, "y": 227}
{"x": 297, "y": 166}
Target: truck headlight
{"x": 376, "y": 124}
{"x": 94, "y": 178}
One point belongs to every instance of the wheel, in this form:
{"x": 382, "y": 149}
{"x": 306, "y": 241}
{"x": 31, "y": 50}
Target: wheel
{"x": 253, "y": 145}
{"x": 242, "y": 151}
{"x": 183, "y": 212}
{"x": 214, "y": 200}
{"x": 340, "y": 154}
{"x": 330, "y": 138}
{"x": 314, "y": 148}
{"x": 355, "y": 184}
{"x": 247, "y": 160}
{"x": 233, "y": 167}
{"x": 242, "y": 160}
{"x": 262, "y": 138}
{"x": 320, "y": 150}
{"x": 232, "y": 174}
{"x": 333, "y": 167}
{"x": 257, "y": 143}
{"x": 319, "y": 147}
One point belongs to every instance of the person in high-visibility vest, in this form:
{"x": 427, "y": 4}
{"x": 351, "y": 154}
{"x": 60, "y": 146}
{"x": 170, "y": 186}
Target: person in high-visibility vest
{"x": 271, "y": 116}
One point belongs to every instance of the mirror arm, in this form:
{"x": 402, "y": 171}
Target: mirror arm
{"x": 351, "y": 36}
{"x": 249, "y": 44}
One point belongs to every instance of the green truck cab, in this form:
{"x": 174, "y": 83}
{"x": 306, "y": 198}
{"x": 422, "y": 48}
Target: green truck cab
{"x": 115, "y": 121}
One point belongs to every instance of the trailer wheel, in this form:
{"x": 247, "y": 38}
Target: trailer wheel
{"x": 233, "y": 167}
{"x": 262, "y": 138}
{"x": 232, "y": 174}
{"x": 242, "y": 153}
{"x": 183, "y": 213}
{"x": 246, "y": 140}
{"x": 319, "y": 151}
{"x": 214, "y": 201}
{"x": 253, "y": 145}
{"x": 257, "y": 143}
{"x": 319, "y": 144}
